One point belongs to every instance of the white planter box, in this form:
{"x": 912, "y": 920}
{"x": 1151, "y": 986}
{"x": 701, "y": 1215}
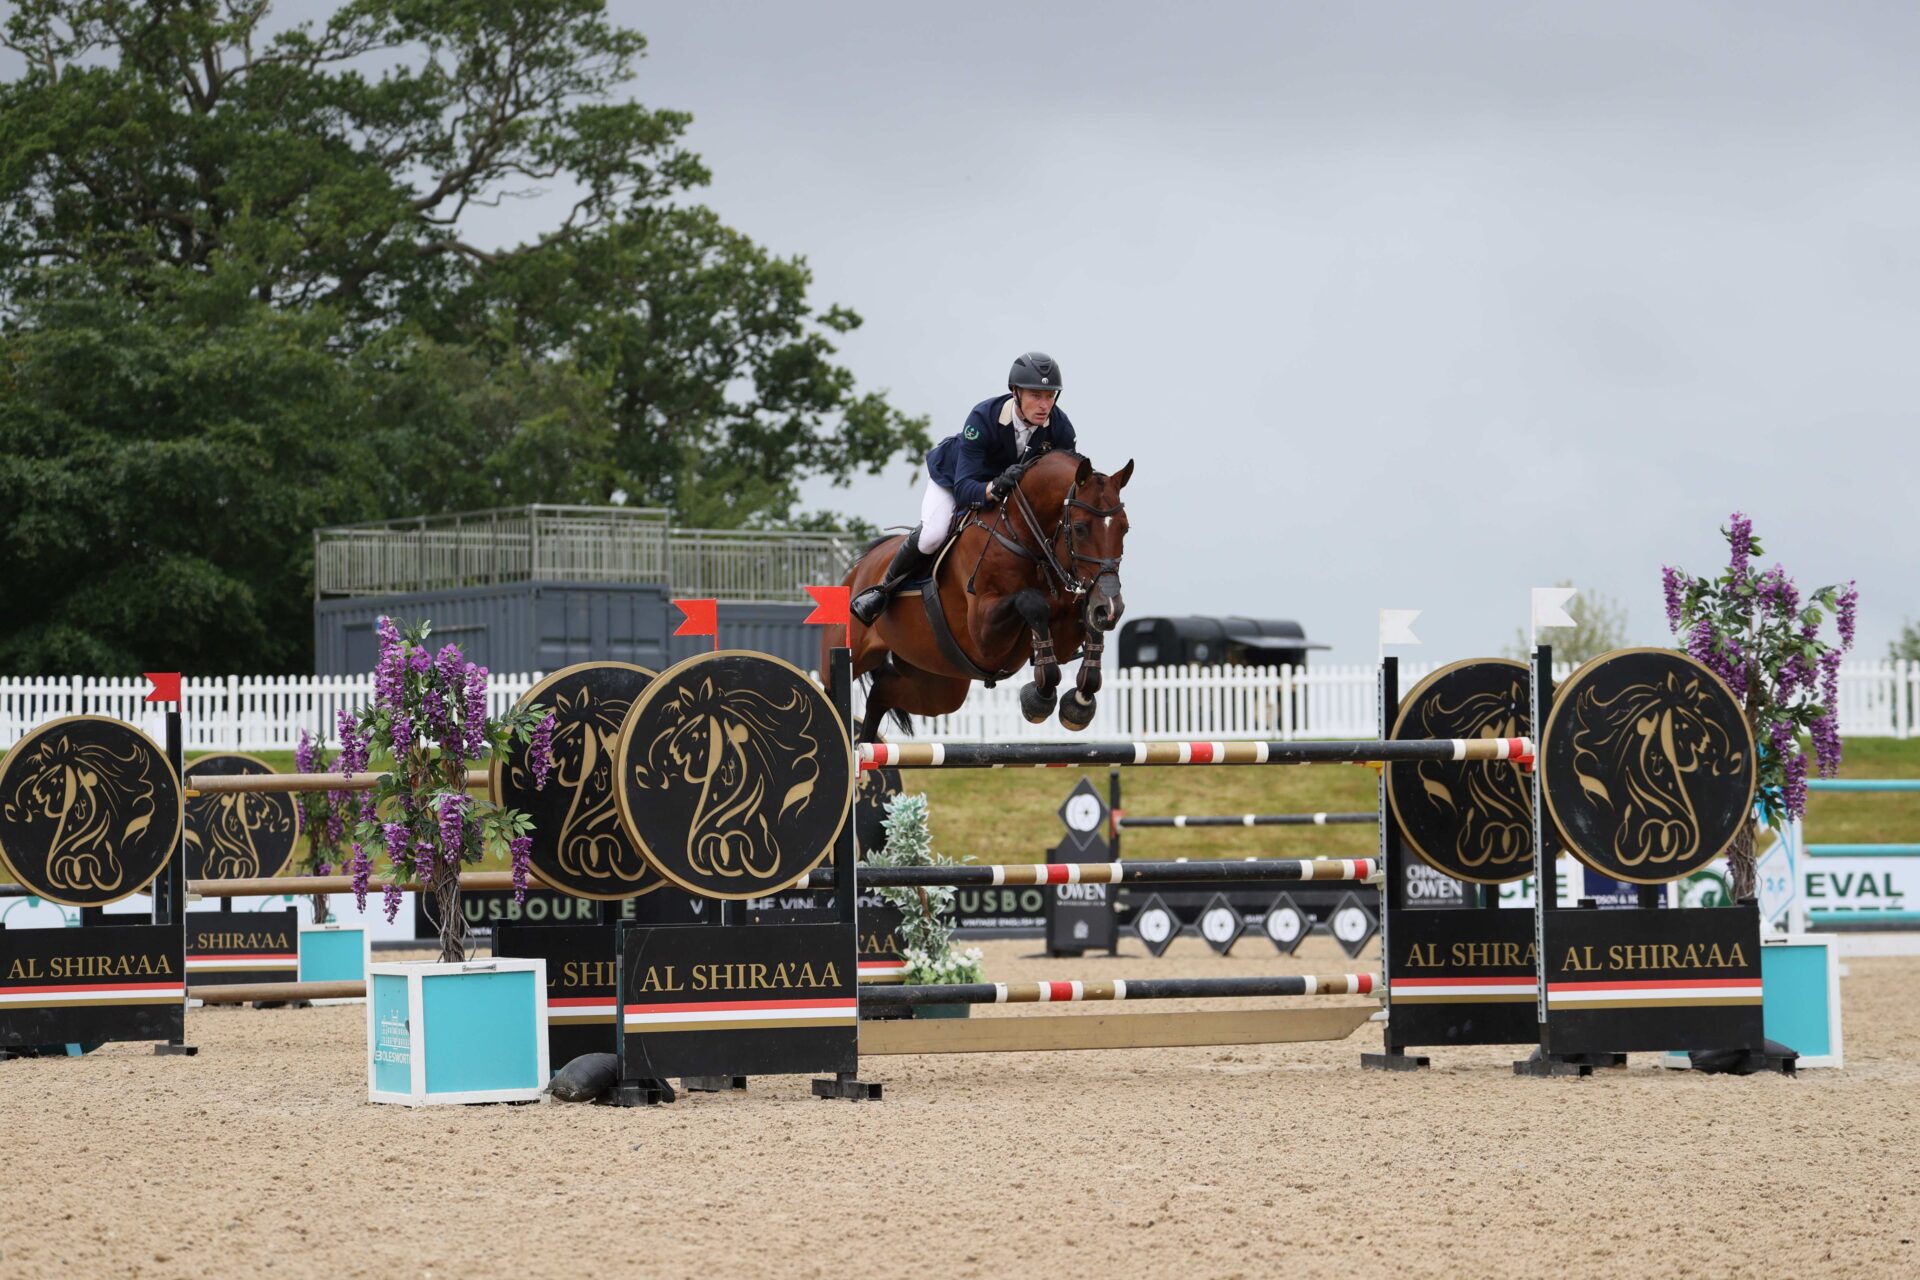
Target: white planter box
{"x": 445, "y": 1033}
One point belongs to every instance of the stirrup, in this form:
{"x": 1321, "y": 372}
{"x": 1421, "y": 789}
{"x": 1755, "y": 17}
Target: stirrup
{"x": 870, "y": 604}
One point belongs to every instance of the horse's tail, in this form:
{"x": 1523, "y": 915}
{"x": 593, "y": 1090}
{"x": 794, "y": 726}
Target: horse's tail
{"x": 901, "y": 719}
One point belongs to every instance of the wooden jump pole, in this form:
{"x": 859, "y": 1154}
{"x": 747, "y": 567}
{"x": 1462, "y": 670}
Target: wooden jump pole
{"x": 1339, "y": 984}
{"x": 1251, "y": 820}
{"x": 210, "y": 784}
{"x": 1208, "y": 871}
{"x": 1065, "y": 1031}
{"x": 269, "y": 886}
{"x": 1045, "y": 873}
{"x": 1074, "y": 755}
{"x": 276, "y": 992}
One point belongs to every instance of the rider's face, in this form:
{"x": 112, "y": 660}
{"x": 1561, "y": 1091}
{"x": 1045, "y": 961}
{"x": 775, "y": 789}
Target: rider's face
{"x": 1035, "y": 406}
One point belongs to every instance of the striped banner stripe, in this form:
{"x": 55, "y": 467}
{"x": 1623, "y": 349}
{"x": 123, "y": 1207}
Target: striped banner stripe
{"x": 1661, "y": 993}
{"x": 121, "y": 993}
{"x": 739, "y": 1015}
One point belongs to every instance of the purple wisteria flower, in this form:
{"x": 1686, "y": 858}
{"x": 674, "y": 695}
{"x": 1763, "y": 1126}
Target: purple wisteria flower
{"x": 1846, "y": 614}
{"x": 303, "y": 755}
{"x": 1793, "y": 767}
{"x": 391, "y": 897}
{"x": 361, "y": 868}
{"x": 540, "y": 751}
{"x": 353, "y": 748}
{"x": 1740, "y": 543}
{"x": 1829, "y": 665}
{"x": 323, "y": 869}
{"x": 1826, "y": 744}
{"x": 398, "y": 838}
{"x": 1674, "y": 584}
{"x": 453, "y": 829}
{"x": 521, "y": 851}
{"x": 476, "y": 710}
{"x": 1777, "y": 594}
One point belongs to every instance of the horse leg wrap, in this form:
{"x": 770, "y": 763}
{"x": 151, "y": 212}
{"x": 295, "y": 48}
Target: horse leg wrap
{"x": 1088, "y": 682}
{"x": 1046, "y": 667}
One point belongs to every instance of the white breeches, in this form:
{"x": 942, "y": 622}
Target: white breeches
{"x": 936, "y": 514}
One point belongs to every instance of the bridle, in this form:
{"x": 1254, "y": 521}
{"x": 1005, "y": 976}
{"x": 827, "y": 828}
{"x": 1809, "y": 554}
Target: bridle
{"x": 1059, "y": 570}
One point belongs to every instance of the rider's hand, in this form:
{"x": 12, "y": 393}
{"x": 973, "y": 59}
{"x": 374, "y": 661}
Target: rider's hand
{"x": 1005, "y": 483}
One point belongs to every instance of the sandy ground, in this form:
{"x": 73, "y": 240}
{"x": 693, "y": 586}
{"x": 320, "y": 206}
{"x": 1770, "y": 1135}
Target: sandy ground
{"x": 261, "y": 1157}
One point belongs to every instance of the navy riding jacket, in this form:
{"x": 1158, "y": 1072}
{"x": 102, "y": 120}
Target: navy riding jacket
{"x": 987, "y": 445}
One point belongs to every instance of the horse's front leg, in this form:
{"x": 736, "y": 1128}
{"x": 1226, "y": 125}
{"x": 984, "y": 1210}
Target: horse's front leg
{"x": 1038, "y": 698}
{"x": 1076, "y": 711}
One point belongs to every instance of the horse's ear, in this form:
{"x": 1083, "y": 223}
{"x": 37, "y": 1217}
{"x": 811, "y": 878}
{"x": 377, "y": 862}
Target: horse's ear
{"x": 1123, "y": 475}
{"x": 1085, "y": 473}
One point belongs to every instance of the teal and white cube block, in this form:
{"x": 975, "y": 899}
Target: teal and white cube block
{"x": 334, "y": 952}
{"x": 446, "y": 1033}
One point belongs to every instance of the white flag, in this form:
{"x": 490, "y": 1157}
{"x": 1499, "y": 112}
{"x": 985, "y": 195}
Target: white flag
{"x": 1550, "y": 607}
{"x": 1396, "y": 626}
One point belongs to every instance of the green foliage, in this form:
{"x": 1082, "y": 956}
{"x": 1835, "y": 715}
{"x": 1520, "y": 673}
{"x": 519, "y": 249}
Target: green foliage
{"x": 926, "y": 930}
{"x": 1600, "y": 626}
{"x": 1905, "y": 646}
{"x": 241, "y": 296}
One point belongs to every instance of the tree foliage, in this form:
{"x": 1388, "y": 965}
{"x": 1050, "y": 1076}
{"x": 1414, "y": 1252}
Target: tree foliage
{"x": 242, "y": 294}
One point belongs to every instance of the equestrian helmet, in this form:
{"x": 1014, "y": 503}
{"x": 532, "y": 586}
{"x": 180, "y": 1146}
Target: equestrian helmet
{"x": 1034, "y": 371}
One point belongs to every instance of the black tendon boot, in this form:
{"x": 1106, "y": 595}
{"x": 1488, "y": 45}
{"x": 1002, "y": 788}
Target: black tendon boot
{"x": 871, "y": 603}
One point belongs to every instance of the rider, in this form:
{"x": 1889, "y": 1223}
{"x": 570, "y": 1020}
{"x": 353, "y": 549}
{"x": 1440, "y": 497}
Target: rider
{"x": 978, "y": 466}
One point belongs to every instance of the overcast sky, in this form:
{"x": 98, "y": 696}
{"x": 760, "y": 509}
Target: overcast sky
{"x": 1402, "y": 305}
{"x": 1394, "y": 305}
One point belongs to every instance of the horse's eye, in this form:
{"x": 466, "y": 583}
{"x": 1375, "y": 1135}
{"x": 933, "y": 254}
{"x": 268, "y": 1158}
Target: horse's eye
{"x": 1081, "y": 528}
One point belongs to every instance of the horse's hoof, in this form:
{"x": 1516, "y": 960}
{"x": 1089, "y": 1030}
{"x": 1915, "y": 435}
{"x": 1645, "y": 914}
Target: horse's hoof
{"x": 1036, "y": 704}
{"x": 1076, "y": 711}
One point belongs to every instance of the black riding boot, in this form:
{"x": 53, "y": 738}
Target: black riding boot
{"x": 871, "y": 603}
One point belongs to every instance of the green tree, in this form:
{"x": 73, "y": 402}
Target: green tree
{"x": 1600, "y": 626}
{"x": 256, "y": 253}
{"x": 1905, "y": 647}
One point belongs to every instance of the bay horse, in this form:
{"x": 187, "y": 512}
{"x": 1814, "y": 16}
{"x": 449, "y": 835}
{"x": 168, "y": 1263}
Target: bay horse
{"x": 1035, "y": 577}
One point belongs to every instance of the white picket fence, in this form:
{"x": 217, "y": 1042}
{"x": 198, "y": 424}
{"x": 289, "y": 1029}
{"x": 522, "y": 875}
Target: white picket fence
{"x": 229, "y": 713}
{"x": 267, "y": 713}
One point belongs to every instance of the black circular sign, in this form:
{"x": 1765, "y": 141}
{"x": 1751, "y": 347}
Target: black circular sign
{"x": 1648, "y": 765}
{"x": 1471, "y": 820}
{"x": 579, "y": 842}
{"x": 736, "y": 774}
{"x": 877, "y": 788}
{"x": 90, "y": 811}
{"x": 239, "y": 834}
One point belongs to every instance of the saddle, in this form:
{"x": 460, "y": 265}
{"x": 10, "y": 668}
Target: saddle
{"x": 928, "y": 589}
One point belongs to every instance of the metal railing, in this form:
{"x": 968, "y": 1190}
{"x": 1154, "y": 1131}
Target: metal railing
{"x": 546, "y": 543}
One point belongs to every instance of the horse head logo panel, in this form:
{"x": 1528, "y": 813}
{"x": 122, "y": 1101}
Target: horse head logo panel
{"x": 239, "y": 834}
{"x": 736, "y": 775}
{"x": 579, "y": 844}
{"x": 1648, "y": 765}
{"x": 1470, "y": 820}
{"x": 90, "y": 811}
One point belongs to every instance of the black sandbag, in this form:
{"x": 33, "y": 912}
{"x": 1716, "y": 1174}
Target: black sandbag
{"x": 1773, "y": 1056}
{"x": 586, "y": 1077}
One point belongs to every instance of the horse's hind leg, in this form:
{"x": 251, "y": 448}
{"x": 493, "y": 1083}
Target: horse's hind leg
{"x": 1037, "y": 698}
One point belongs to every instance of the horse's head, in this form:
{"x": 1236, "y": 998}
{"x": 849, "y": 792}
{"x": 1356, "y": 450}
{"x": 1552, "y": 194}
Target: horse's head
{"x": 1092, "y": 528}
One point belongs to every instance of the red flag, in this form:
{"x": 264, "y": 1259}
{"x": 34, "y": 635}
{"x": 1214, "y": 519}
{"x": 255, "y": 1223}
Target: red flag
{"x": 702, "y": 619}
{"x": 829, "y": 606}
{"x": 166, "y": 686}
